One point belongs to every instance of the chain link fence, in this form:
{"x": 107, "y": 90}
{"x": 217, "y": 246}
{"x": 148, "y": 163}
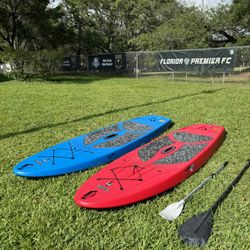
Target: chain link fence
{"x": 212, "y": 64}
{"x": 207, "y": 64}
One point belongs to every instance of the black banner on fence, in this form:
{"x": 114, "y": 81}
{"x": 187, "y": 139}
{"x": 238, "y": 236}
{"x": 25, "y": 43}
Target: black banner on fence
{"x": 197, "y": 61}
{"x": 71, "y": 63}
{"x": 108, "y": 62}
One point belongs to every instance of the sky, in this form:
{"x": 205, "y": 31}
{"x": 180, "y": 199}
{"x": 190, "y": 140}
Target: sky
{"x": 54, "y": 3}
{"x": 207, "y": 3}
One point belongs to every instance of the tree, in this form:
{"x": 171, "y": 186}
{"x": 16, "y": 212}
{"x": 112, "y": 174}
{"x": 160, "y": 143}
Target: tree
{"x": 182, "y": 28}
{"x": 223, "y": 31}
{"x": 240, "y": 11}
{"x": 108, "y": 26}
{"x": 230, "y": 24}
{"x": 29, "y": 24}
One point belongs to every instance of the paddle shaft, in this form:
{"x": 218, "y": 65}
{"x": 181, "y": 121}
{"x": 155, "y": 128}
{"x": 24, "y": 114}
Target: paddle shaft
{"x": 205, "y": 181}
{"x": 229, "y": 188}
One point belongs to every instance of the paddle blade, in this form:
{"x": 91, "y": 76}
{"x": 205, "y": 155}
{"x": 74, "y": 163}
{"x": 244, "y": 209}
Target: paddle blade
{"x": 172, "y": 211}
{"x": 196, "y": 230}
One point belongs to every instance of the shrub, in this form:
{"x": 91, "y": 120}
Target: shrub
{"x": 26, "y": 64}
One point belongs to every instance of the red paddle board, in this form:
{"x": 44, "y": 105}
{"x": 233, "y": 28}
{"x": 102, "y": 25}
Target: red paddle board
{"x": 152, "y": 168}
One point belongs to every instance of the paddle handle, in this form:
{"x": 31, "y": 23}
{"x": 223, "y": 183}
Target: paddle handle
{"x": 230, "y": 187}
{"x": 205, "y": 181}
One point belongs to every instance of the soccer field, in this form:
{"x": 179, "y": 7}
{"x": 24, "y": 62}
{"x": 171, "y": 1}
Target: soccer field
{"x": 41, "y": 213}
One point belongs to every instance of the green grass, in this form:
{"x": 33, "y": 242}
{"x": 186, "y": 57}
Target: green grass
{"x": 41, "y": 214}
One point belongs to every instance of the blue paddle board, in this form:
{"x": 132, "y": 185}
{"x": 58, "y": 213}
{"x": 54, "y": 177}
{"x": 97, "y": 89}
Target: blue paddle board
{"x": 93, "y": 149}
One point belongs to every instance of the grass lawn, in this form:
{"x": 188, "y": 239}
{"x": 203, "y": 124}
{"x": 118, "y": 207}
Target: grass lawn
{"x": 41, "y": 214}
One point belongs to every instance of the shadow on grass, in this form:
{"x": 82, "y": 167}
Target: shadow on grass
{"x": 61, "y": 79}
{"x": 76, "y": 79}
{"x": 113, "y": 111}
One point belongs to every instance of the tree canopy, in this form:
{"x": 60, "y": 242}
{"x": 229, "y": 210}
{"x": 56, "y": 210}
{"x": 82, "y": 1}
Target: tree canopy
{"x": 105, "y": 26}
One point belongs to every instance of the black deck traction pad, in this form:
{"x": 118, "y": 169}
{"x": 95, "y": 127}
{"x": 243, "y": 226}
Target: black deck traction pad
{"x": 187, "y": 137}
{"x": 184, "y": 154}
{"x": 151, "y": 149}
{"x": 92, "y": 137}
{"x": 135, "y": 126}
{"x": 121, "y": 140}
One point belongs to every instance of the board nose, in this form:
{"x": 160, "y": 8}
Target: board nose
{"x": 89, "y": 194}
{"x": 22, "y": 168}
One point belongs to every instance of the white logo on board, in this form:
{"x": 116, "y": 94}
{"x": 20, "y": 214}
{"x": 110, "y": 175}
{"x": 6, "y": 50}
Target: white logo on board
{"x": 96, "y": 62}
{"x": 186, "y": 61}
{"x": 118, "y": 61}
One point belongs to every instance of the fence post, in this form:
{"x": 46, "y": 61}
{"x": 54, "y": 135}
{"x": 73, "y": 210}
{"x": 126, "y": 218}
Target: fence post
{"x": 223, "y": 78}
{"x": 212, "y": 79}
{"x": 172, "y": 76}
{"x": 137, "y": 64}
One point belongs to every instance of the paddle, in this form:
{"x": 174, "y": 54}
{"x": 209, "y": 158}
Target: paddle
{"x": 172, "y": 211}
{"x": 196, "y": 230}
